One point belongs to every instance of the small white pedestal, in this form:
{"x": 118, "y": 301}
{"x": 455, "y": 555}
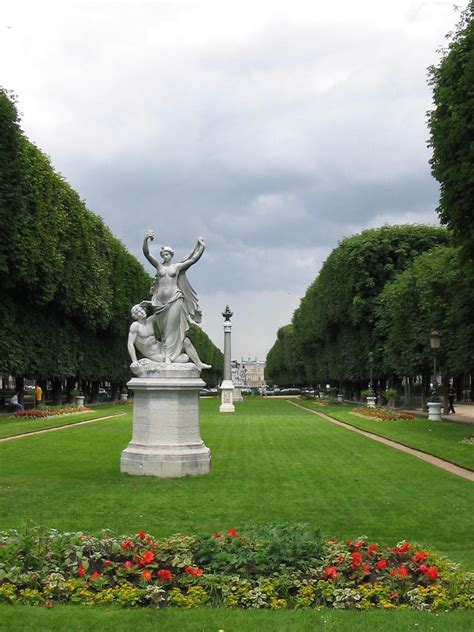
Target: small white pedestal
{"x": 124, "y": 397}
{"x": 238, "y": 393}
{"x": 340, "y": 397}
{"x": 434, "y": 411}
{"x": 80, "y": 401}
{"x": 166, "y": 439}
{"x": 227, "y": 397}
{"x": 371, "y": 402}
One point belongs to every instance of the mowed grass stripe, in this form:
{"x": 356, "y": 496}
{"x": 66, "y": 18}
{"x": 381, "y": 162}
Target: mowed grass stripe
{"x": 271, "y": 463}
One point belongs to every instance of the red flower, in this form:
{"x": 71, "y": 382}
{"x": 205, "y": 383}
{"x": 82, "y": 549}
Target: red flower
{"x": 95, "y": 575}
{"x": 216, "y": 535}
{"x": 197, "y": 572}
{"x": 81, "y": 571}
{"x": 381, "y": 564}
{"x": 393, "y": 572}
{"x": 401, "y": 549}
{"x": 358, "y": 545}
{"x": 371, "y": 548}
{"x": 127, "y": 544}
{"x": 366, "y": 570}
{"x": 393, "y": 595}
{"x": 128, "y": 564}
{"x": 330, "y": 573}
{"x": 333, "y": 539}
{"x": 141, "y": 535}
{"x": 231, "y": 532}
{"x": 146, "y": 575}
{"x": 148, "y": 539}
{"x": 339, "y": 559}
{"x": 348, "y": 543}
{"x": 402, "y": 571}
{"x": 147, "y": 558}
{"x": 422, "y": 568}
{"x": 432, "y": 573}
{"x": 356, "y": 559}
{"x": 164, "y": 575}
{"x": 419, "y": 557}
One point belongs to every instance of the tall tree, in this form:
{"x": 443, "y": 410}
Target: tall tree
{"x": 451, "y": 124}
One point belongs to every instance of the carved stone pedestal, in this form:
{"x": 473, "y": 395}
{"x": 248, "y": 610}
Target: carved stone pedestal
{"x": 227, "y": 397}
{"x": 238, "y": 393}
{"x": 434, "y": 411}
{"x": 166, "y": 440}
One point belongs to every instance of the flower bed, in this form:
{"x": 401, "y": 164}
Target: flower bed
{"x": 49, "y": 411}
{"x": 468, "y": 440}
{"x": 279, "y": 566}
{"x": 384, "y": 414}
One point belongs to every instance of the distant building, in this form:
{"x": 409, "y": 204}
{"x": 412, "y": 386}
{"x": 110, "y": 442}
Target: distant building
{"x": 254, "y": 371}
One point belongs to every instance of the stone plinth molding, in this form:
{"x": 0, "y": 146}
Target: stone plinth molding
{"x": 166, "y": 440}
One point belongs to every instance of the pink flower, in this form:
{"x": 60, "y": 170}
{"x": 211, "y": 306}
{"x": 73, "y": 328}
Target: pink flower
{"x": 128, "y": 564}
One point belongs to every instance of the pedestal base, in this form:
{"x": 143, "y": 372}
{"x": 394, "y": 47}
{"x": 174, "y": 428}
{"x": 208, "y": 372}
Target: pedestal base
{"x": 434, "y": 411}
{"x": 227, "y": 397}
{"x": 166, "y": 439}
{"x": 371, "y": 402}
{"x": 238, "y": 393}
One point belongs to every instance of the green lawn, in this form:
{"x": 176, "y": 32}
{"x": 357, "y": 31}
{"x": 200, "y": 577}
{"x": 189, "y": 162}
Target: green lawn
{"x": 76, "y": 618}
{"x": 439, "y": 438}
{"x": 10, "y": 425}
{"x": 272, "y": 462}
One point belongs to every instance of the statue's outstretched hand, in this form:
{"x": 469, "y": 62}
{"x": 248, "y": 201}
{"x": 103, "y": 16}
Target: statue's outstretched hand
{"x": 150, "y": 234}
{"x": 201, "y": 241}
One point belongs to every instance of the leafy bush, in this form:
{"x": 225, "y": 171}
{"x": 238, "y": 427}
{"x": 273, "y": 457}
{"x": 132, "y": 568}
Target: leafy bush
{"x": 275, "y": 566}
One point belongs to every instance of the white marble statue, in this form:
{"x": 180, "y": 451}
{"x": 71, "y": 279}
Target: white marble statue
{"x": 173, "y": 305}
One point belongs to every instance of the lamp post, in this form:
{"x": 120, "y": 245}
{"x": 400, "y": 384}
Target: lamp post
{"x": 371, "y": 399}
{"x": 434, "y": 405}
{"x": 435, "y": 343}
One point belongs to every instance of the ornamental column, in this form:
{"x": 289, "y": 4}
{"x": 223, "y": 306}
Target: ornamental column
{"x": 227, "y": 387}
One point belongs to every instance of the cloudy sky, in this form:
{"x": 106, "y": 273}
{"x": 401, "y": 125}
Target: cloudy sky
{"x": 272, "y": 129}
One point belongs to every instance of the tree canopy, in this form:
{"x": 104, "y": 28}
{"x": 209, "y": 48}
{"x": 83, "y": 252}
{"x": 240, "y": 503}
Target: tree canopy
{"x": 451, "y": 124}
{"x": 66, "y": 283}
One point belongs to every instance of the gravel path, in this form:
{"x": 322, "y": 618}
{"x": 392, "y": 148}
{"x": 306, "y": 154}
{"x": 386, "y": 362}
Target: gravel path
{"x": 71, "y": 425}
{"x": 434, "y": 460}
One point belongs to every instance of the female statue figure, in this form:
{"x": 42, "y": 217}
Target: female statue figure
{"x": 173, "y": 301}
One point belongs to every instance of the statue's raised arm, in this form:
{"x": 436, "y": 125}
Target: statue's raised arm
{"x": 193, "y": 256}
{"x": 150, "y": 236}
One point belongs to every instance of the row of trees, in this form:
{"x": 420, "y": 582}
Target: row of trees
{"x": 66, "y": 284}
{"x": 384, "y": 290}
{"x": 379, "y": 292}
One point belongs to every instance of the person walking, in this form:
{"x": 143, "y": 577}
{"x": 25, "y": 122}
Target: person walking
{"x": 451, "y": 396}
{"x": 38, "y": 395}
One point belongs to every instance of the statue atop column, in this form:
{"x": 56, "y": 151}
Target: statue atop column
{"x": 173, "y": 306}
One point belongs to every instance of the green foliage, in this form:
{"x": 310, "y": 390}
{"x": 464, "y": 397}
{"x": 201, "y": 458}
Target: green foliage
{"x": 334, "y": 326}
{"x": 451, "y": 125}
{"x": 209, "y": 354}
{"x": 38, "y": 567}
{"x": 66, "y": 284}
{"x": 433, "y": 293}
{"x": 264, "y": 549}
{"x": 283, "y": 365}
